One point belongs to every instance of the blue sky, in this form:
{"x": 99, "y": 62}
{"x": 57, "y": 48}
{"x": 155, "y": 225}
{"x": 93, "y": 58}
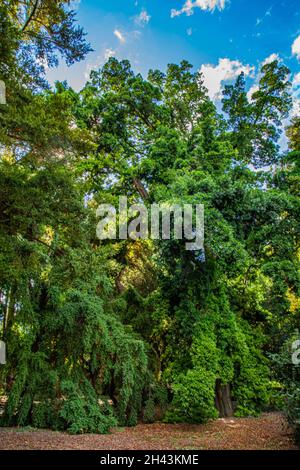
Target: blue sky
{"x": 220, "y": 37}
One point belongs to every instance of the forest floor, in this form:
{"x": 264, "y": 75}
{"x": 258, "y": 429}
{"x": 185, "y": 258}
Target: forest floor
{"x": 269, "y": 431}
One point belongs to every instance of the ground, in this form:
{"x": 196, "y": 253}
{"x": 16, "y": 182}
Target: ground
{"x": 269, "y": 431}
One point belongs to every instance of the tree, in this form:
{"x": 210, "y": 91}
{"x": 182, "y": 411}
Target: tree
{"x": 56, "y": 297}
{"x": 255, "y": 126}
{"x": 293, "y": 134}
{"x": 43, "y": 30}
{"x": 101, "y": 332}
{"x": 176, "y": 146}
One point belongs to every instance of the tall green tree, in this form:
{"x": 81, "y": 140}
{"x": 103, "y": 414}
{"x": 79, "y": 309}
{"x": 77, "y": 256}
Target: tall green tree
{"x": 101, "y": 332}
{"x": 255, "y": 126}
{"x": 171, "y": 145}
{"x": 57, "y": 313}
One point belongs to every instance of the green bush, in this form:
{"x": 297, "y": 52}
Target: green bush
{"x": 149, "y": 411}
{"x": 194, "y": 394}
{"x": 289, "y": 376}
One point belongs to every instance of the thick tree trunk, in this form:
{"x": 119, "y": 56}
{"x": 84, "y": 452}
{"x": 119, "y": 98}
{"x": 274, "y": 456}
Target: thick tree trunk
{"x": 223, "y": 399}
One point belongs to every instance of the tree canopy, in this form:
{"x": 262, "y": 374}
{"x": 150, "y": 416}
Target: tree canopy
{"x": 107, "y": 332}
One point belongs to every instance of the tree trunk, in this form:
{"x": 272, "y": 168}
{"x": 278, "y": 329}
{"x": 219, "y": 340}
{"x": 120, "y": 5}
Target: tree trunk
{"x": 141, "y": 189}
{"x": 223, "y": 400}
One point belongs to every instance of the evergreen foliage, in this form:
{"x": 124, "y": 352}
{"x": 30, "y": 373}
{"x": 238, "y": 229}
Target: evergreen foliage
{"x": 104, "y": 333}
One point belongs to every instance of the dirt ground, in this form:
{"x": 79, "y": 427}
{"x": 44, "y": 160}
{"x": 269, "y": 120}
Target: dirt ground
{"x": 269, "y": 431}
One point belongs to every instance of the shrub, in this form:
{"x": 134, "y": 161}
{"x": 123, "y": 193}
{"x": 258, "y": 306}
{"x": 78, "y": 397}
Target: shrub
{"x": 194, "y": 394}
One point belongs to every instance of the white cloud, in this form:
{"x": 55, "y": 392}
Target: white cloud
{"x": 92, "y": 66}
{"x": 296, "y": 95}
{"x": 296, "y": 80}
{"x": 296, "y": 47}
{"x": 134, "y": 35}
{"x": 215, "y": 75}
{"x": 296, "y": 108}
{"x": 189, "y": 5}
{"x": 269, "y": 11}
{"x": 120, "y": 36}
{"x": 74, "y": 5}
{"x": 271, "y": 58}
{"x": 143, "y": 18}
{"x": 99, "y": 61}
{"x": 252, "y": 90}
{"x": 109, "y": 53}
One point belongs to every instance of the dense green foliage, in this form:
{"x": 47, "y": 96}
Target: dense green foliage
{"x": 289, "y": 376}
{"x": 101, "y": 333}
{"x": 287, "y": 370}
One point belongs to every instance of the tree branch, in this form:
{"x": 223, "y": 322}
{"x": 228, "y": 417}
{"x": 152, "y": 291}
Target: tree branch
{"x": 33, "y": 12}
{"x": 140, "y": 188}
